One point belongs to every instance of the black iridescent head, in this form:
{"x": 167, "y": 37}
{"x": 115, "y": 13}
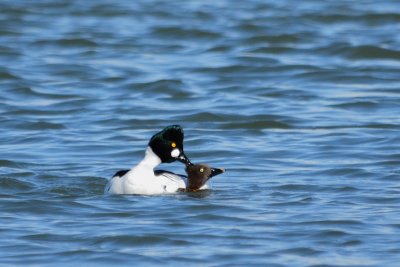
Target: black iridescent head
{"x": 168, "y": 145}
{"x": 199, "y": 174}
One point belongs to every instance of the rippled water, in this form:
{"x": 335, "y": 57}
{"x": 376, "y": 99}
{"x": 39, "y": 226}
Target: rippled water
{"x": 299, "y": 100}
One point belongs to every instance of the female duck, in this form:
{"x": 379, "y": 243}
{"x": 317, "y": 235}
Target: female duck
{"x": 198, "y": 175}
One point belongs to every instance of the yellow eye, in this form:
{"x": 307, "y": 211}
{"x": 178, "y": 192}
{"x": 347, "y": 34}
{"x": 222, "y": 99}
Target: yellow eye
{"x": 173, "y": 144}
{"x": 201, "y": 170}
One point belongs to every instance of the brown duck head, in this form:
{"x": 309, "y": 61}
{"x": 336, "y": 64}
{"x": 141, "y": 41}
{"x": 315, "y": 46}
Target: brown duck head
{"x": 199, "y": 174}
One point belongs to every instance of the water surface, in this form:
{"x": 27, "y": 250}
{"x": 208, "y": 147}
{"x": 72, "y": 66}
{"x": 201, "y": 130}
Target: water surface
{"x": 299, "y": 101}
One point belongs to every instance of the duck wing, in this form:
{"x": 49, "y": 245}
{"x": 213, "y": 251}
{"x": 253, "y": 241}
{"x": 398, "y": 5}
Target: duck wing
{"x": 172, "y": 181}
{"x": 169, "y": 174}
{"x": 120, "y": 173}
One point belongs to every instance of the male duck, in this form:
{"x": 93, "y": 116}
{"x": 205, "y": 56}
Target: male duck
{"x": 164, "y": 147}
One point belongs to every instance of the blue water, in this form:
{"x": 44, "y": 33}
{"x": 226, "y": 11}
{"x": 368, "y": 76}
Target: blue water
{"x": 298, "y": 100}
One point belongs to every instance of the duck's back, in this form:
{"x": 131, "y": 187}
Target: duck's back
{"x": 115, "y": 184}
{"x": 145, "y": 182}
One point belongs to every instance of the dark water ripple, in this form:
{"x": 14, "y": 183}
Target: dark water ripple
{"x": 299, "y": 101}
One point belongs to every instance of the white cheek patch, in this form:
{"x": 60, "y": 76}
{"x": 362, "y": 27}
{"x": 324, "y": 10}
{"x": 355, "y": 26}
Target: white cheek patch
{"x": 175, "y": 153}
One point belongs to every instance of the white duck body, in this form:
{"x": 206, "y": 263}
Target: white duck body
{"x": 141, "y": 179}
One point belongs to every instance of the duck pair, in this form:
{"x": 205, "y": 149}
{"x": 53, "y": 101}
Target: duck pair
{"x": 165, "y": 146}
